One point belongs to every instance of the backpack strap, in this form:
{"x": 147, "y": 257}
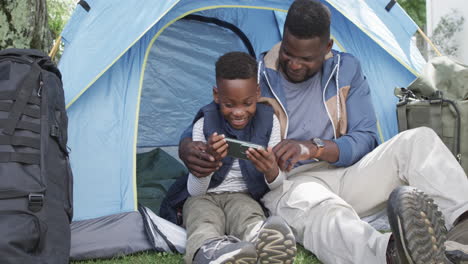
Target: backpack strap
{"x": 435, "y": 113}
{"x": 401, "y": 116}
{"x": 22, "y": 97}
{"x": 27, "y": 158}
{"x": 21, "y": 141}
{"x": 458, "y": 127}
{"x": 11, "y": 95}
{"x": 25, "y": 125}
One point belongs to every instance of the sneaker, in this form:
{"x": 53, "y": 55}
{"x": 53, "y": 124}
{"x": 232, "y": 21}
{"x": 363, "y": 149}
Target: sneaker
{"x": 275, "y": 242}
{"x": 457, "y": 243}
{"x": 226, "y": 250}
{"x": 418, "y": 228}
{"x": 456, "y": 252}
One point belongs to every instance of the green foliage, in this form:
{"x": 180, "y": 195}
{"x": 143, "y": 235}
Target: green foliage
{"x": 58, "y": 13}
{"x": 416, "y": 9}
{"x": 443, "y": 34}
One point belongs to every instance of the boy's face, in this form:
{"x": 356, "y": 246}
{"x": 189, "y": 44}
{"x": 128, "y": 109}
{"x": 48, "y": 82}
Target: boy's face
{"x": 237, "y": 100}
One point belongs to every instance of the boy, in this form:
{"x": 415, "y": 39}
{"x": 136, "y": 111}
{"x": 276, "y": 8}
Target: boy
{"x": 224, "y": 222}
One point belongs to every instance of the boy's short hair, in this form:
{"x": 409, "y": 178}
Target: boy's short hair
{"x": 308, "y": 19}
{"x": 236, "y": 65}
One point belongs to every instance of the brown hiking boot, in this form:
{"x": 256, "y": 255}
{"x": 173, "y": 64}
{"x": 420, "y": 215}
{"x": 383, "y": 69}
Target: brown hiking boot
{"x": 417, "y": 227}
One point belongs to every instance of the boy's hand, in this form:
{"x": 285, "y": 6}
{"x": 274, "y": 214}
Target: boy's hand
{"x": 217, "y": 146}
{"x": 265, "y": 162}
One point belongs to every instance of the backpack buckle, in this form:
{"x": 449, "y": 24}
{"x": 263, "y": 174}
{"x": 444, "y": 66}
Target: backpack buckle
{"x": 35, "y": 201}
{"x": 54, "y": 130}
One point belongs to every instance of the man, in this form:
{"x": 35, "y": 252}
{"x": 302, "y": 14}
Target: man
{"x": 329, "y": 117}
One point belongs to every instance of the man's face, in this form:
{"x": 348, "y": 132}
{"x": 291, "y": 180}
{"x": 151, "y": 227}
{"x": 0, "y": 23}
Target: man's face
{"x": 237, "y": 100}
{"x": 300, "y": 59}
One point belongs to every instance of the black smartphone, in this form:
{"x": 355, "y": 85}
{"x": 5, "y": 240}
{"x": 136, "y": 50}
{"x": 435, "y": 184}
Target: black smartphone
{"x": 237, "y": 148}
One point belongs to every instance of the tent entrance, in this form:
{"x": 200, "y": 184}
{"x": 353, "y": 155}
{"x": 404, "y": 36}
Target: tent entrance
{"x": 178, "y": 79}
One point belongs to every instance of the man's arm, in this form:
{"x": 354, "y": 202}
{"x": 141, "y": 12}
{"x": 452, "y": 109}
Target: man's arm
{"x": 289, "y": 152}
{"x": 198, "y": 185}
{"x": 360, "y": 138}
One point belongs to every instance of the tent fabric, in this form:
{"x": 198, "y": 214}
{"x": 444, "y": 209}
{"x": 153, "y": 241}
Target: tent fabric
{"x": 125, "y": 233}
{"x": 164, "y": 234}
{"x": 115, "y": 66}
{"x": 108, "y": 236}
{"x": 156, "y": 172}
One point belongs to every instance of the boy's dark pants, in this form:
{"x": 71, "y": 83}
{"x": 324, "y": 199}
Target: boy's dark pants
{"x": 214, "y": 215}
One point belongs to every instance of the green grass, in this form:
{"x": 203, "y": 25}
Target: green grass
{"x": 303, "y": 257}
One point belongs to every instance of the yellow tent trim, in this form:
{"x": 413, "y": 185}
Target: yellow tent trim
{"x": 379, "y": 129}
{"x": 118, "y": 57}
{"x": 338, "y": 44}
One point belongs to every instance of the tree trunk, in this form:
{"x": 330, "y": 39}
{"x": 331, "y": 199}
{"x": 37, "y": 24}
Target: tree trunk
{"x": 23, "y": 24}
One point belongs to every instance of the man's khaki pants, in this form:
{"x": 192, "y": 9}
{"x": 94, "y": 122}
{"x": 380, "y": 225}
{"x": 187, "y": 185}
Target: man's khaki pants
{"x": 215, "y": 215}
{"x": 323, "y": 204}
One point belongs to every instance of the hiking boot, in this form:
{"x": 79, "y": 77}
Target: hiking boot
{"x": 226, "y": 250}
{"x": 418, "y": 228}
{"x": 275, "y": 242}
{"x": 457, "y": 243}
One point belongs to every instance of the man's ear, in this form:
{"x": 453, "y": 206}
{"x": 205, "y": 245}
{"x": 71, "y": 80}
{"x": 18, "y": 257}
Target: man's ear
{"x": 258, "y": 92}
{"x": 215, "y": 94}
{"x": 329, "y": 45}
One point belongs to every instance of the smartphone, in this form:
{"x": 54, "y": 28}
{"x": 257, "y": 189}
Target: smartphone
{"x": 237, "y": 148}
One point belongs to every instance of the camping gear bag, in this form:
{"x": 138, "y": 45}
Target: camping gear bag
{"x": 36, "y": 180}
{"x": 439, "y": 99}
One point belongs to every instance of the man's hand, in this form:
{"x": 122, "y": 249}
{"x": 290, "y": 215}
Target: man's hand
{"x": 288, "y": 152}
{"x": 265, "y": 162}
{"x": 195, "y": 157}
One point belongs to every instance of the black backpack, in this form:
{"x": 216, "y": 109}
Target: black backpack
{"x": 35, "y": 176}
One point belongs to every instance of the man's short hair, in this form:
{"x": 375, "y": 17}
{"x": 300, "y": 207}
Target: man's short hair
{"x": 308, "y": 19}
{"x": 236, "y": 65}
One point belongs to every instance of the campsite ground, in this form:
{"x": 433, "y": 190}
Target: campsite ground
{"x": 303, "y": 257}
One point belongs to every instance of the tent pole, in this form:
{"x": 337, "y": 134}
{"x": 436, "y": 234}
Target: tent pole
{"x": 55, "y": 48}
{"x": 429, "y": 41}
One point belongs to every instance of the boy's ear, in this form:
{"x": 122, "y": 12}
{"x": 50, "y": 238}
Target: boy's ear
{"x": 215, "y": 94}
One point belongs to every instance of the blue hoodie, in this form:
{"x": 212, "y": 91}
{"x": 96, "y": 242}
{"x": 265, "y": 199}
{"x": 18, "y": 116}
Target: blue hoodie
{"x": 346, "y": 96}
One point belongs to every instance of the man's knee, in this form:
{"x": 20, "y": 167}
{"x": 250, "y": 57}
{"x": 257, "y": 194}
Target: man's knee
{"x": 304, "y": 197}
{"x": 421, "y": 133}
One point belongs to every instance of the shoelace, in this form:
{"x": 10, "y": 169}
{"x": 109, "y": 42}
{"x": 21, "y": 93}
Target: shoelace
{"x": 210, "y": 250}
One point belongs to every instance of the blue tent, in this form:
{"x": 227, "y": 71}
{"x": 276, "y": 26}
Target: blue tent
{"x": 136, "y": 71}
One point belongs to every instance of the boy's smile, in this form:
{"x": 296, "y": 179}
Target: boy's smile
{"x": 237, "y": 100}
